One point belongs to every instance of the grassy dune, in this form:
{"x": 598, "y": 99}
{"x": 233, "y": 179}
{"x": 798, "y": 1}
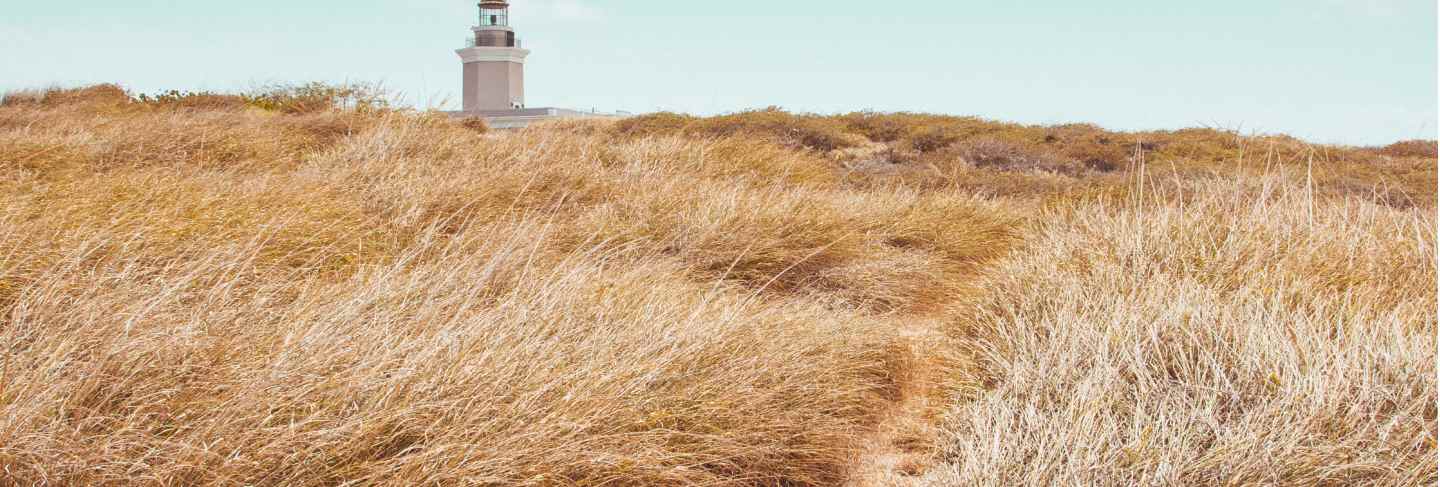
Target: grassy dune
{"x": 303, "y": 287}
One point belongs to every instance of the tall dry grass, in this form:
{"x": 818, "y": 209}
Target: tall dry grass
{"x": 243, "y": 296}
{"x": 1247, "y": 335}
{"x": 297, "y": 287}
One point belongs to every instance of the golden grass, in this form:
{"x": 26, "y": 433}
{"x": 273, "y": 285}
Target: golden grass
{"x": 209, "y": 289}
{"x": 414, "y": 301}
{"x": 1250, "y": 335}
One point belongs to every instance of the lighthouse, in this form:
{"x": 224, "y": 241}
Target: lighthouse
{"x": 494, "y": 62}
{"x": 494, "y": 82}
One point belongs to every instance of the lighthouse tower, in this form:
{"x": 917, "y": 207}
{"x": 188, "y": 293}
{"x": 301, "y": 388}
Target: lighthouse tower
{"x": 494, "y": 62}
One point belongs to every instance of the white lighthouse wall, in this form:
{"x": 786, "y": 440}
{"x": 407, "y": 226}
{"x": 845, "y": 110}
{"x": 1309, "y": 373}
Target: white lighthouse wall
{"x": 494, "y": 85}
{"x": 517, "y": 83}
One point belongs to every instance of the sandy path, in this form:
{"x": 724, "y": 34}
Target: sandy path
{"x": 902, "y": 446}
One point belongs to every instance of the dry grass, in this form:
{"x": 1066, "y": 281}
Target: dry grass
{"x": 222, "y": 297}
{"x": 1249, "y": 335}
{"x": 302, "y": 287}
{"x": 807, "y": 131}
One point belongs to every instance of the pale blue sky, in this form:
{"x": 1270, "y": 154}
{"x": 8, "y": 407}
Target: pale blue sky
{"x": 1339, "y": 71}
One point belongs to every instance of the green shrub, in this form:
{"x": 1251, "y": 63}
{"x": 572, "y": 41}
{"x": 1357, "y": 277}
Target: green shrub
{"x": 317, "y": 97}
{"x": 201, "y": 100}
